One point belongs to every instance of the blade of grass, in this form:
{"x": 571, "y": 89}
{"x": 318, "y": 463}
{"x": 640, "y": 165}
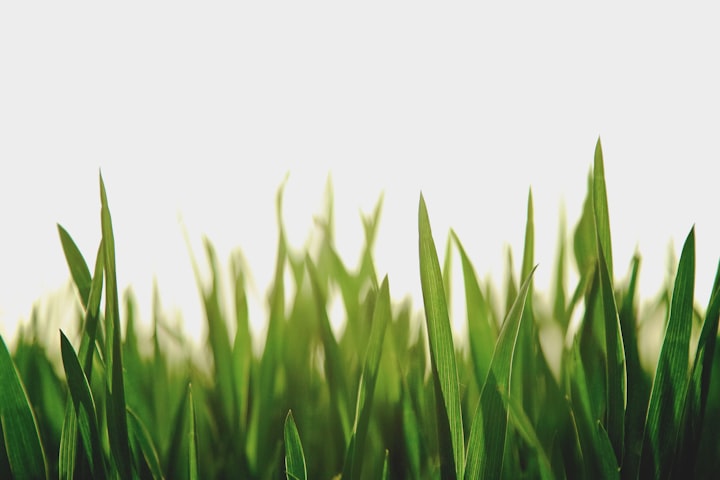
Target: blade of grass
{"x": 193, "y": 440}
{"x": 78, "y": 267}
{"x": 671, "y": 378}
{"x": 19, "y": 425}
{"x": 85, "y": 412}
{"x": 145, "y": 443}
{"x": 381, "y": 317}
{"x": 488, "y": 432}
{"x": 442, "y": 353}
{"x": 116, "y": 409}
{"x": 600, "y": 209}
{"x": 295, "y": 468}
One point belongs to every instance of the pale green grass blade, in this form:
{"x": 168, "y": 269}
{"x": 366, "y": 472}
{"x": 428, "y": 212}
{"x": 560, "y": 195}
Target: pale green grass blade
{"x": 560, "y": 278}
{"x": 145, "y": 444}
{"x": 616, "y": 375}
{"x": 295, "y": 467}
{"x": 442, "y": 353}
{"x": 116, "y": 409}
{"x": 19, "y": 426}
{"x": 671, "y": 378}
{"x": 600, "y": 209}
{"x": 482, "y": 330}
{"x": 584, "y": 238}
{"x": 447, "y": 273}
{"x": 193, "y": 439}
{"x": 386, "y": 467}
{"x": 85, "y": 412}
{"x": 78, "y": 267}
{"x": 488, "y": 432}
{"x": 356, "y": 450}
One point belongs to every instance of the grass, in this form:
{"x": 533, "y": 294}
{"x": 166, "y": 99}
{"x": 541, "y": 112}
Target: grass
{"x": 390, "y": 396}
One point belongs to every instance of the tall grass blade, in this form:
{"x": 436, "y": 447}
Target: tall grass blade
{"x": 193, "y": 439}
{"x": 116, "y": 409}
{"x": 295, "y": 468}
{"x": 78, "y": 267}
{"x": 600, "y": 209}
{"x": 19, "y": 427}
{"x": 381, "y": 317}
{"x": 486, "y": 445}
{"x": 442, "y": 353}
{"x": 669, "y": 388}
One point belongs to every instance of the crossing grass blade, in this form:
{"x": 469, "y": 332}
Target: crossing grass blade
{"x": 115, "y": 385}
{"x": 84, "y": 409}
{"x": 381, "y": 317}
{"x": 19, "y": 426}
{"x": 486, "y": 444}
{"x": 144, "y": 444}
{"x": 295, "y": 468}
{"x": 442, "y": 353}
{"x": 667, "y": 399}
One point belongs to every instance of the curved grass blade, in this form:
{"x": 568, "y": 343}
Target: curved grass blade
{"x": 295, "y": 467}
{"x": 144, "y": 441}
{"x": 116, "y": 409}
{"x": 78, "y": 267}
{"x": 486, "y": 445}
{"x": 669, "y": 388}
{"x": 442, "y": 353}
{"x": 381, "y": 317}
{"x": 19, "y": 426}
{"x": 85, "y": 412}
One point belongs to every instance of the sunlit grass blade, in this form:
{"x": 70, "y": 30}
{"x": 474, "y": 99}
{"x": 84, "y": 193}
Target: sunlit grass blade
{"x": 482, "y": 331}
{"x": 193, "y": 439}
{"x": 19, "y": 426}
{"x": 381, "y": 317}
{"x": 600, "y": 209}
{"x": 144, "y": 443}
{"x": 671, "y": 377}
{"x": 78, "y": 267}
{"x": 442, "y": 353}
{"x": 295, "y": 468}
{"x": 85, "y": 412}
{"x": 116, "y": 409}
{"x": 486, "y": 445}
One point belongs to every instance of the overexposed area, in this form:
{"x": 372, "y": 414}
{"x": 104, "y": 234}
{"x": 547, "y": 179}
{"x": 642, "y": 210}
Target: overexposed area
{"x": 196, "y": 114}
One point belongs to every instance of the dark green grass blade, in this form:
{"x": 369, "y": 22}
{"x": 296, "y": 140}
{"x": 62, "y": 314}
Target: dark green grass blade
{"x": 295, "y": 468}
{"x": 19, "y": 426}
{"x": 671, "y": 378}
{"x": 116, "y": 409}
{"x": 356, "y": 450}
{"x": 615, "y": 373}
{"x": 486, "y": 445}
{"x": 193, "y": 439}
{"x": 697, "y": 395}
{"x": 85, "y": 412}
{"x": 482, "y": 331}
{"x": 78, "y": 267}
{"x": 144, "y": 442}
{"x": 442, "y": 353}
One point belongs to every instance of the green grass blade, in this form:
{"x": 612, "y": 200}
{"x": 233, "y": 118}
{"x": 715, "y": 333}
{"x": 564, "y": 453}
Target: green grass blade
{"x": 193, "y": 439}
{"x": 671, "y": 378}
{"x": 381, "y": 317}
{"x": 482, "y": 332}
{"x": 615, "y": 373}
{"x": 144, "y": 442}
{"x": 600, "y": 209}
{"x": 19, "y": 426}
{"x": 386, "y": 467}
{"x": 85, "y": 412}
{"x": 295, "y": 468}
{"x": 78, "y": 267}
{"x": 488, "y": 432}
{"x": 442, "y": 353}
{"x": 116, "y": 409}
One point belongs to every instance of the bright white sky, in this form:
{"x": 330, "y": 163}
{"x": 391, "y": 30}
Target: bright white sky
{"x": 202, "y": 110}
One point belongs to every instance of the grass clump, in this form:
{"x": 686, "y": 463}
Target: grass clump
{"x": 390, "y": 396}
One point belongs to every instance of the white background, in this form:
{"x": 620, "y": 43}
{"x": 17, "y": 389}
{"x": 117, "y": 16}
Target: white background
{"x": 201, "y": 111}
